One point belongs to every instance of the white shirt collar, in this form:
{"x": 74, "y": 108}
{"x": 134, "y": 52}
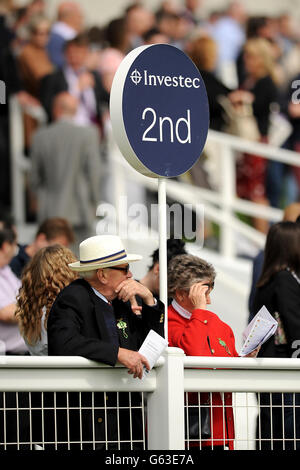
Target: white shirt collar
{"x": 182, "y": 311}
{"x": 64, "y": 30}
{"x": 100, "y": 295}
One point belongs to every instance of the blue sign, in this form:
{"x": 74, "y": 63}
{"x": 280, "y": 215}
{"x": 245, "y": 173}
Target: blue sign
{"x": 159, "y": 110}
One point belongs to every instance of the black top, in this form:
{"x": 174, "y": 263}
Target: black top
{"x": 281, "y": 294}
{"x": 19, "y": 261}
{"x": 214, "y": 88}
{"x": 265, "y": 93}
{"x": 56, "y": 82}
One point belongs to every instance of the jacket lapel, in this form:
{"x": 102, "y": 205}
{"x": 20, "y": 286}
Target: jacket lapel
{"x": 101, "y": 308}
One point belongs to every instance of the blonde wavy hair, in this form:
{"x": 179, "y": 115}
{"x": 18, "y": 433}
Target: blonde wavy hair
{"x": 43, "y": 278}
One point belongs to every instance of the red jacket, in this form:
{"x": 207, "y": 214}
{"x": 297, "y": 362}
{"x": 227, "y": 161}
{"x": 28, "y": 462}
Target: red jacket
{"x": 204, "y": 334}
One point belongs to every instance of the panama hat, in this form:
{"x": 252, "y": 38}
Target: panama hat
{"x": 102, "y": 251}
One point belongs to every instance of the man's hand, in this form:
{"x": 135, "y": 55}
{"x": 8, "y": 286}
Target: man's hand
{"x": 134, "y": 361}
{"x": 128, "y": 289}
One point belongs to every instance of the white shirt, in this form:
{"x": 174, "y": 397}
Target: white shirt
{"x": 87, "y": 109}
{"x": 64, "y": 30}
{"x": 40, "y": 348}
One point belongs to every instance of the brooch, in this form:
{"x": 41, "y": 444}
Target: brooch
{"x": 122, "y": 325}
{"x": 222, "y": 343}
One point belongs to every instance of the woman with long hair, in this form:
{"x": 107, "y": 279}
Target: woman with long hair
{"x": 278, "y": 288}
{"x": 44, "y": 277}
{"x": 261, "y": 83}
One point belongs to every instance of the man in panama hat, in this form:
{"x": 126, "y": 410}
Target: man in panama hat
{"x": 99, "y": 316}
{"x": 104, "y": 316}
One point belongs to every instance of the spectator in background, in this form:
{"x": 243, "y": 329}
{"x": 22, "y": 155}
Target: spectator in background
{"x": 34, "y": 64}
{"x": 69, "y": 24}
{"x": 292, "y": 108}
{"x": 154, "y": 36}
{"x": 229, "y": 33}
{"x": 256, "y": 27}
{"x": 203, "y": 51}
{"x": 260, "y": 83}
{"x": 173, "y": 26}
{"x": 46, "y": 274}
{"x": 9, "y": 74}
{"x": 22, "y": 16}
{"x": 138, "y": 20}
{"x": 11, "y": 342}
{"x": 286, "y": 32}
{"x": 291, "y": 213}
{"x": 117, "y": 43}
{"x": 75, "y": 78}
{"x": 51, "y": 231}
{"x": 191, "y": 12}
{"x": 151, "y": 279}
{"x": 66, "y": 168}
{"x": 278, "y": 288}
{"x": 33, "y": 60}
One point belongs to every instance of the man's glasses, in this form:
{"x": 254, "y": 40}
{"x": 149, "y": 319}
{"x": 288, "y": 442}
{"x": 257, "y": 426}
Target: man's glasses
{"x": 117, "y": 268}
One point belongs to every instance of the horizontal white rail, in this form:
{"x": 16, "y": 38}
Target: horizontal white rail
{"x": 69, "y": 374}
{"x": 241, "y": 374}
{"x": 263, "y": 150}
{"x": 242, "y": 363}
{"x": 57, "y": 362}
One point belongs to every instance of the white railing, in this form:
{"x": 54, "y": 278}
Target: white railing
{"x": 220, "y": 205}
{"x": 163, "y": 390}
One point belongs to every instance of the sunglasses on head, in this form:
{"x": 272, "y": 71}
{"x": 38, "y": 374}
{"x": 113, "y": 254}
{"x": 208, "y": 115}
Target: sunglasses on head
{"x": 125, "y": 269}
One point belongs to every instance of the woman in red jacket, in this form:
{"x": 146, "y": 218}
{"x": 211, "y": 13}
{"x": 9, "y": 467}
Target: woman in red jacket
{"x": 200, "y": 332}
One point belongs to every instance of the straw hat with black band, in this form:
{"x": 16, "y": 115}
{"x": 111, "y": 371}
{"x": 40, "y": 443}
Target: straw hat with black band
{"x": 102, "y": 251}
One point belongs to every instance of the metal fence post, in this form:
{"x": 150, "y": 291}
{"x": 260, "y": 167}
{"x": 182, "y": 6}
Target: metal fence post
{"x": 165, "y": 409}
{"x": 16, "y": 153}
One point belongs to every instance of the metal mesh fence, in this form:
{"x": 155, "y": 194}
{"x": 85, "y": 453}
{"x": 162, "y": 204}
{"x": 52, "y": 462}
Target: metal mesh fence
{"x": 242, "y": 421}
{"x": 72, "y": 420}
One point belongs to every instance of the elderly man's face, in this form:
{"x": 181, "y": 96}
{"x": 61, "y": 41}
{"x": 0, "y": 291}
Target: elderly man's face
{"x": 118, "y": 274}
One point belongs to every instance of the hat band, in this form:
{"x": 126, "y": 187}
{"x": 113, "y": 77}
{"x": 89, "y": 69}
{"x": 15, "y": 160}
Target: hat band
{"x": 107, "y": 259}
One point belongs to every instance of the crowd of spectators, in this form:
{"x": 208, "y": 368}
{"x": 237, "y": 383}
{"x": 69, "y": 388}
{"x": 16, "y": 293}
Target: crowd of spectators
{"x": 249, "y": 60}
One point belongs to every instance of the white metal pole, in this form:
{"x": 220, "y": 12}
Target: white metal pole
{"x": 162, "y": 229}
{"x": 165, "y": 406}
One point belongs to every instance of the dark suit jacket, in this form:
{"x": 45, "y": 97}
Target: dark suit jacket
{"x": 76, "y": 324}
{"x": 77, "y": 327}
{"x": 281, "y": 294}
{"x": 55, "y": 83}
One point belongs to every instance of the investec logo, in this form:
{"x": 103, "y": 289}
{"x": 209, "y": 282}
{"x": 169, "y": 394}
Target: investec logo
{"x": 148, "y": 79}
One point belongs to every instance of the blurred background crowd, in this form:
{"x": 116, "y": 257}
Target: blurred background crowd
{"x": 65, "y": 67}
